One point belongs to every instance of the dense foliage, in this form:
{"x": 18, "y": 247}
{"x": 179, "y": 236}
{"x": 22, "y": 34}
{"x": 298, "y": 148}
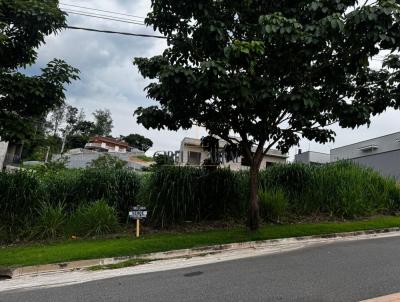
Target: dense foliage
{"x": 107, "y": 161}
{"x": 25, "y": 100}
{"x": 49, "y": 203}
{"x": 138, "y": 141}
{"x": 341, "y": 190}
{"x": 176, "y": 194}
{"x": 271, "y": 72}
{"x": 27, "y": 197}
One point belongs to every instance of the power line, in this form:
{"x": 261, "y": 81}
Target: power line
{"x": 101, "y": 15}
{"x": 116, "y": 32}
{"x": 100, "y": 10}
{"x": 105, "y": 18}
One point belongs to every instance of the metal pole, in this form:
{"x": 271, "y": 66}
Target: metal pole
{"x": 137, "y": 228}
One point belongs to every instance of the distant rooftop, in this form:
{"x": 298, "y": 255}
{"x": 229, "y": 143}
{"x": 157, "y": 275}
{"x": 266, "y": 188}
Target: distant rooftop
{"x": 394, "y": 134}
{"x": 109, "y": 140}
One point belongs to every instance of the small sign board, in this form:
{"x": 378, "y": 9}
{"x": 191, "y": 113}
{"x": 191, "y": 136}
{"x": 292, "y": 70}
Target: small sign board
{"x": 138, "y": 212}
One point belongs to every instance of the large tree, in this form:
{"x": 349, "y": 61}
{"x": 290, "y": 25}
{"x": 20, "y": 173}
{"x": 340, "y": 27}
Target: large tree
{"x": 271, "y": 72}
{"x": 138, "y": 141}
{"x": 25, "y": 100}
{"x": 103, "y": 123}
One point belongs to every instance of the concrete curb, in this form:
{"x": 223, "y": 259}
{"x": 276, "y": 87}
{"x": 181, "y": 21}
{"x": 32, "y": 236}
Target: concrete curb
{"x": 193, "y": 252}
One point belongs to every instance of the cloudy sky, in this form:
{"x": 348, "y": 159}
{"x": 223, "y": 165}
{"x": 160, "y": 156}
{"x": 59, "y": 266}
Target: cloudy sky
{"x": 109, "y": 80}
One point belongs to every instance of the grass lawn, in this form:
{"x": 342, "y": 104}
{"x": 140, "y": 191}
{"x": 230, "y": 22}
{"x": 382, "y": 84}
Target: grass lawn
{"x": 129, "y": 246}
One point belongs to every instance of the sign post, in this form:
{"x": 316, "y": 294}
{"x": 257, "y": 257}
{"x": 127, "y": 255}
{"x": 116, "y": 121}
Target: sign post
{"x": 137, "y": 228}
{"x": 138, "y": 213}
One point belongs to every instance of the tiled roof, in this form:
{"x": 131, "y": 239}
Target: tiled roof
{"x": 109, "y": 140}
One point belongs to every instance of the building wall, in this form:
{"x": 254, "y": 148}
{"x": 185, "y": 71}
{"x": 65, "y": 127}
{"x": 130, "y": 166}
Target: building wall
{"x": 81, "y": 160}
{"x": 384, "y": 158}
{"x": 233, "y": 165}
{"x": 302, "y": 158}
{"x": 185, "y": 153}
{"x": 312, "y": 157}
{"x": 387, "y": 163}
{"x": 3, "y": 152}
{"x": 385, "y": 143}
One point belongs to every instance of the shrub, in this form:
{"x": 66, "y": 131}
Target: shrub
{"x": 50, "y": 221}
{"x": 74, "y": 187}
{"x": 97, "y": 218}
{"x": 118, "y": 187}
{"x": 341, "y": 189}
{"x": 273, "y": 204}
{"x": 20, "y": 194}
{"x": 177, "y": 194}
{"x": 107, "y": 161}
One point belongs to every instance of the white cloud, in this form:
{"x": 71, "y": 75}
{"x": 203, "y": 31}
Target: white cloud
{"x": 109, "y": 80}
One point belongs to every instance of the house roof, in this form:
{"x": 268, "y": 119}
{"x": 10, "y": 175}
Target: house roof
{"x": 109, "y": 140}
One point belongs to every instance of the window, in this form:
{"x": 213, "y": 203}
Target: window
{"x": 245, "y": 162}
{"x": 269, "y": 164}
{"x": 194, "y": 158}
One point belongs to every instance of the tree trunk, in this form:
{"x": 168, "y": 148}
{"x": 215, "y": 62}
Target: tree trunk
{"x": 254, "y": 208}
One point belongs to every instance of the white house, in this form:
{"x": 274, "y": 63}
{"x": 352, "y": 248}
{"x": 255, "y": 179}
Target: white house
{"x": 193, "y": 154}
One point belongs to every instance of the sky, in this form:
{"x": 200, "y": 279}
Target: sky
{"x": 109, "y": 80}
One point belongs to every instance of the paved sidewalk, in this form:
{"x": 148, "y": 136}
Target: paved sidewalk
{"x": 63, "y": 278}
{"x": 389, "y": 298}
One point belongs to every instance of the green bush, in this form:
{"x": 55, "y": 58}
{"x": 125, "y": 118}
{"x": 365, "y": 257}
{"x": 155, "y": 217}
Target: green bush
{"x": 107, "y": 161}
{"x": 96, "y": 218}
{"x": 50, "y": 221}
{"x": 341, "y": 189}
{"x": 73, "y": 187}
{"x": 20, "y": 194}
{"x": 177, "y": 194}
{"x": 273, "y": 204}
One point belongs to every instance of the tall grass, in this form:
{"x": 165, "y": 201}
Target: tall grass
{"x": 341, "y": 189}
{"x": 177, "y": 194}
{"x": 73, "y": 187}
{"x": 96, "y": 218}
{"x": 20, "y": 195}
{"x": 50, "y": 221}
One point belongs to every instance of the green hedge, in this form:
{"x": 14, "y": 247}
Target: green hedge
{"x": 177, "y": 194}
{"x": 342, "y": 189}
{"x": 73, "y": 187}
{"x": 22, "y": 193}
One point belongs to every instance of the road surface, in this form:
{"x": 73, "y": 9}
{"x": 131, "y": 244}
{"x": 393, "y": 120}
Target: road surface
{"x": 346, "y": 271}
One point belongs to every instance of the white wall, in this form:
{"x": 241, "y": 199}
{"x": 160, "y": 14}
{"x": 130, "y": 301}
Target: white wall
{"x": 3, "y": 152}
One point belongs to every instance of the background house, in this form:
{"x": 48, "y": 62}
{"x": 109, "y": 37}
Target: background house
{"x": 106, "y": 144}
{"x": 311, "y": 157}
{"x": 193, "y": 154}
{"x": 9, "y": 154}
{"x": 380, "y": 153}
{"x": 97, "y": 146}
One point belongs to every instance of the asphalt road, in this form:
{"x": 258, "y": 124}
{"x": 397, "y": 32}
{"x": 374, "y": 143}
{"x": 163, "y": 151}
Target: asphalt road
{"x": 348, "y": 271}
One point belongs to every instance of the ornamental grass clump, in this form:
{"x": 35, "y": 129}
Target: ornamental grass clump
{"x": 20, "y": 195}
{"x": 50, "y": 221}
{"x": 273, "y": 204}
{"x": 94, "y": 219}
{"x": 178, "y": 194}
{"x": 342, "y": 189}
